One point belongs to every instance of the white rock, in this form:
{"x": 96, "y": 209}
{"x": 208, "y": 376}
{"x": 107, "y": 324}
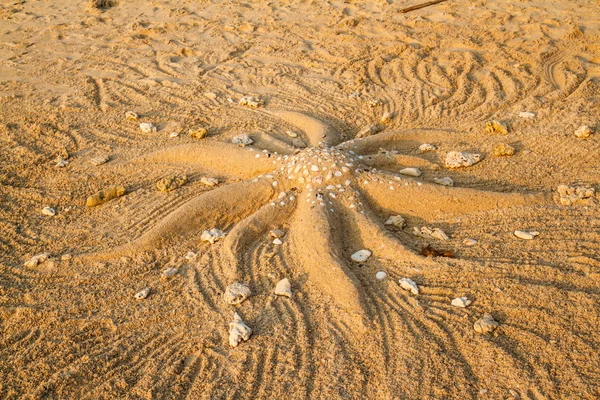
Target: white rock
{"x": 212, "y": 235}
{"x": 396, "y": 220}
{"x": 430, "y": 233}
{"x": 35, "y": 260}
{"x": 381, "y": 275}
{"x": 283, "y": 288}
{"x": 191, "y": 255}
{"x": 446, "y": 181}
{"x": 410, "y": 171}
{"x": 96, "y": 161}
{"x": 277, "y": 241}
{"x": 457, "y": 159}
{"x": 527, "y": 235}
{"x": 49, "y": 211}
{"x": 410, "y": 285}
{"x": 169, "y": 272}
{"x": 583, "y": 132}
{"x": 361, "y": 255}
{"x": 526, "y": 114}
{"x": 250, "y": 101}
{"x": 486, "y": 324}
{"x": 238, "y": 331}
{"x": 469, "y": 242}
{"x": 236, "y": 293}
{"x": 425, "y": 147}
{"x": 209, "y": 181}
{"x": 242, "y": 140}
{"x": 147, "y": 127}
{"x": 461, "y": 302}
{"x": 143, "y": 294}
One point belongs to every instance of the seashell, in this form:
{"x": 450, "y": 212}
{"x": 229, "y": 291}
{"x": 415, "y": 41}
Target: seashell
{"x": 277, "y": 233}
{"x": 277, "y": 241}
{"x": 446, "y": 181}
{"x": 583, "y": 132}
{"x": 105, "y": 195}
{"x": 469, "y": 242}
{"x": 143, "y": 294}
{"x": 147, "y": 127}
{"x": 169, "y": 272}
{"x": 191, "y": 255}
{"x": 198, "y": 132}
{"x": 496, "y": 127}
{"x": 485, "y": 324}
{"x": 96, "y": 161}
{"x": 410, "y": 285}
{"x": 209, "y": 181}
{"x": 238, "y": 331}
{"x": 503, "y": 149}
{"x": 173, "y": 134}
{"x": 236, "y": 293}
{"x": 361, "y": 255}
{"x": 242, "y": 140}
{"x": 396, "y": 220}
{"x": 49, "y": 211}
{"x": 457, "y": 159}
{"x": 291, "y": 134}
{"x": 461, "y": 302}
{"x": 212, "y": 235}
{"x": 430, "y": 233}
{"x": 131, "y": 116}
{"x": 170, "y": 183}
{"x": 35, "y": 260}
{"x": 283, "y": 288}
{"x": 410, "y": 172}
{"x": 526, "y": 114}
{"x": 526, "y": 235}
{"x": 381, "y": 275}
{"x": 426, "y": 147}
{"x": 250, "y": 101}
{"x": 298, "y": 144}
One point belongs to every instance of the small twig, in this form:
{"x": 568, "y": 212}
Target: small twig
{"x": 418, "y": 7}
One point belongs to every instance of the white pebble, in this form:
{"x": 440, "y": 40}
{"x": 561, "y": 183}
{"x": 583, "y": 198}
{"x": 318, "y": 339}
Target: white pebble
{"x": 410, "y": 285}
{"x": 527, "y": 235}
{"x": 381, "y": 275}
{"x": 238, "y": 331}
{"x": 461, "y": 302}
{"x": 49, "y": 211}
{"x": 143, "y": 294}
{"x": 361, "y": 255}
{"x": 147, "y": 127}
{"x": 411, "y": 172}
{"x": 283, "y": 288}
{"x": 277, "y": 241}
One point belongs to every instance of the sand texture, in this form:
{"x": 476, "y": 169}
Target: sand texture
{"x": 252, "y": 142}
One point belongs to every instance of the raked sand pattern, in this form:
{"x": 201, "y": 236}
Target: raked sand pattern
{"x": 336, "y": 98}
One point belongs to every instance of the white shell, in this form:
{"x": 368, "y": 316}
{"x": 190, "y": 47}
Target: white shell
{"x": 425, "y": 147}
{"x": 430, "y": 233}
{"x": 410, "y": 285}
{"x": 526, "y": 235}
{"x": 244, "y": 140}
{"x": 238, "y": 331}
{"x": 446, "y": 181}
{"x": 525, "y": 114}
{"x": 251, "y": 101}
{"x": 277, "y": 241}
{"x": 396, "y": 220}
{"x": 583, "y": 132}
{"x": 569, "y": 195}
{"x": 469, "y": 242}
{"x": 283, "y": 288}
{"x": 361, "y": 255}
{"x": 411, "y": 172}
{"x": 381, "y": 275}
{"x": 209, "y": 181}
{"x": 49, "y": 211}
{"x": 461, "y": 302}
{"x": 236, "y": 293}
{"x": 485, "y": 324}
{"x": 35, "y": 260}
{"x": 457, "y": 159}
{"x": 143, "y": 294}
{"x": 190, "y": 255}
{"x": 147, "y": 127}
{"x": 212, "y": 235}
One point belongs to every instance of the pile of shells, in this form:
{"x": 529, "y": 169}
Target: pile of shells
{"x": 569, "y": 195}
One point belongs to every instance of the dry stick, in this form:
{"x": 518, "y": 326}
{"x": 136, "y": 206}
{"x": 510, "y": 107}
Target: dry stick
{"x": 417, "y": 7}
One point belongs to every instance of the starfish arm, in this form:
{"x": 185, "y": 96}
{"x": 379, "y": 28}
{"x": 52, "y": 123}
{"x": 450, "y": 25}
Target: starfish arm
{"x": 316, "y": 246}
{"x": 429, "y": 201}
{"x": 269, "y": 216}
{"x": 218, "y": 156}
{"x": 220, "y": 207}
{"x": 317, "y": 132}
{"x": 395, "y": 140}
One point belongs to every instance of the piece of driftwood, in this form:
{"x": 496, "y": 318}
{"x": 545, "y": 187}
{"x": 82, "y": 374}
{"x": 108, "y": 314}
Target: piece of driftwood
{"x": 419, "y": 6}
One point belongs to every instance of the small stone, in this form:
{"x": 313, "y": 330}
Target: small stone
{"x": 143, "y": 294}
{"x": 169, "y": 272}
{"x": 131, "y": 116}
{"x": 430, "y": 233}
{"x": 291, "y": 134}
{"x": 250, "y": 101}
{"x": 174, "y": 134}
{"x": 277, "y": 241}
{"x": 367, "y": 131}
{"x": 381, "y": 275}
{"x": 170, "y": 183}
{"x": 569, "y": 195}
{"x": 242, "y": 140}
{"x": 396, "y": 220}
{"x": 283, "y": 288}
{"x": 209, "y": 181}
{"x": 96, "y": 161}
{"x": 426, "y": 147}
{"x": 583, "y": 132}
{"x": 236, "y": 293}
{"x": 526, "y": 235}
{"x": 361, "y": 256}
{"x": 496, "y": 127}
{"x": 105, "y": 195}
{"x": 410, "y": 285}
{"x": 457, "y": 159}
{"x": 198, "y": 132}
{"x": 446, "y": 181}
{"x": 49, "y": 211}
{"x": 212, "y": 235}
{"x": 277, "y": 233}
{"x": 35, "y": 260}
{"x": 526, "y": 114}
{"x": 469, "y": 242}
{"x": 147, "y": 127}
{"x": 461, "y": 302}
{"x": 503, "y": 149}
{"x": 486, "y": 324}
{"x": 66, "y": 257}
{"x": 410, "y": 172}
{"x": 191, "y": 255}
{"x": 238, "y": 331}
{"x": 298, "y": 144}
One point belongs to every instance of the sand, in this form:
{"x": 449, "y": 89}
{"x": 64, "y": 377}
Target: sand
{"x": 71, "y": 327}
